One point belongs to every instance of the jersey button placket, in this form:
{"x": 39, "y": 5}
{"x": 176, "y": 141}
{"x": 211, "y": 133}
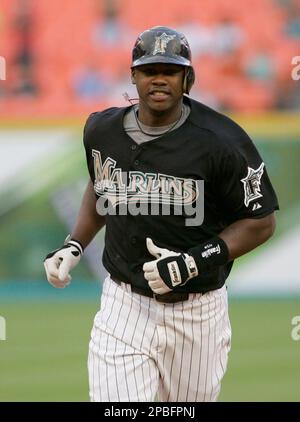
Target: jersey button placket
{"x": 136, "y": 150}
{"x": 133, "y": 240}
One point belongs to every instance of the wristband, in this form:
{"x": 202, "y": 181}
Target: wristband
{"x": 210, "y": 255}
{"x": 74, "y": 242}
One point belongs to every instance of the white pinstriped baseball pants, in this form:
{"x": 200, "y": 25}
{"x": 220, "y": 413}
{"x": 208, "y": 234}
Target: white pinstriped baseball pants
{"x": 142, "y": 350}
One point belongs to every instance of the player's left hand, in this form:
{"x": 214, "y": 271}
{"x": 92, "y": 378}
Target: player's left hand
{"x": 169, "y": 269}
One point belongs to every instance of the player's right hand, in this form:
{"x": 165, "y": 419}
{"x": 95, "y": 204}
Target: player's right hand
{"x": 60, "y": 262}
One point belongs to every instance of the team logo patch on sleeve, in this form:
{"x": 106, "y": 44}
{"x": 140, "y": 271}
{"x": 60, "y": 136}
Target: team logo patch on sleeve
{"x": 252, "y": 184}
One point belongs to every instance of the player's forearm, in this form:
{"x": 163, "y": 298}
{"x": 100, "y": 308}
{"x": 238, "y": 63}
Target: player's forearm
{"x": 88, "y": 222}
{"x": 245, "y": 235}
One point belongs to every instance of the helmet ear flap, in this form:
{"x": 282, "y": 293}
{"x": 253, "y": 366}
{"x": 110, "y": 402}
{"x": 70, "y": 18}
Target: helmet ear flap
{"x": 189, "y": 79}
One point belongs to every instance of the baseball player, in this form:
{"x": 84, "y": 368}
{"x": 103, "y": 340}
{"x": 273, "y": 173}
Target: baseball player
{"x": 182, "y": 192}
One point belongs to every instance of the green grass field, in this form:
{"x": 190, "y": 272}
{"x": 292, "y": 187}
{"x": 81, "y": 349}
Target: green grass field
{"x": 45, "y": 353}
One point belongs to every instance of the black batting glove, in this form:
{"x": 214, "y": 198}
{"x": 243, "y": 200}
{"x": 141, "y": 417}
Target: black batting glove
{"x": 169, "y": 270}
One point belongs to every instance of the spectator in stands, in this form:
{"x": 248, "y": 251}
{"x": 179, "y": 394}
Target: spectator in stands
{"x": 292, "y": 26}
{"x": 24, "y": 57}
{"x": 222, "y": 38}
{"x": 24, "y": 84}
{"x": 261, "y": 66}
{"x": 228, "y": 37}
{"x": 200, "y": 37}
{"x": 109, "y": 28}
{"x": 90, "y": 84}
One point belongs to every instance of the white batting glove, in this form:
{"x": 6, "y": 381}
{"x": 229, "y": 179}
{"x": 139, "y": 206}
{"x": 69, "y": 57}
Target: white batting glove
{"x": 60, "y": 262}
{"x": 169, "y": 270}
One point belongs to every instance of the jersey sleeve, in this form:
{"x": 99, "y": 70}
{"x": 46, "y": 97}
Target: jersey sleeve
{"x": 88, "y": 132}
{"x": 243, "y": 185}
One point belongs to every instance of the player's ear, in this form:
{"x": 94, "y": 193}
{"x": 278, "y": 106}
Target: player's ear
{"x": 133, "y": 76}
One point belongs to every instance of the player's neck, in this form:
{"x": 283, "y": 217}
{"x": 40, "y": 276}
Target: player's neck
{"x": 156, "y": 118}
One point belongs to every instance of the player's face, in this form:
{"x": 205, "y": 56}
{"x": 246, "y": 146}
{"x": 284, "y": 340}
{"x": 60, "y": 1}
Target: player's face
{"x": 160, "y": 89}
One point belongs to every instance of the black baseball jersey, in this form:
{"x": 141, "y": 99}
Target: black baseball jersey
{"x": 209, "y": 166}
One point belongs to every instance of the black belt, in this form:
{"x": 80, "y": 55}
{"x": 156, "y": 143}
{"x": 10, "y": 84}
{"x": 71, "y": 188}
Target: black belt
{"x": 170, "y": 297}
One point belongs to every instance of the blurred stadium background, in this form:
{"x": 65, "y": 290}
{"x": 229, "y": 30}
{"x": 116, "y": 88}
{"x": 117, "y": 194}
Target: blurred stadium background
{"x": 67, "y": 59}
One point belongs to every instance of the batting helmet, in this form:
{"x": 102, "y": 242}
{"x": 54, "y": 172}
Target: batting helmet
{"x": 164, "y": 45}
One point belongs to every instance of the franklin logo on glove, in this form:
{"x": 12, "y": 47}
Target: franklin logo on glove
{"x": 174, "y": 273}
